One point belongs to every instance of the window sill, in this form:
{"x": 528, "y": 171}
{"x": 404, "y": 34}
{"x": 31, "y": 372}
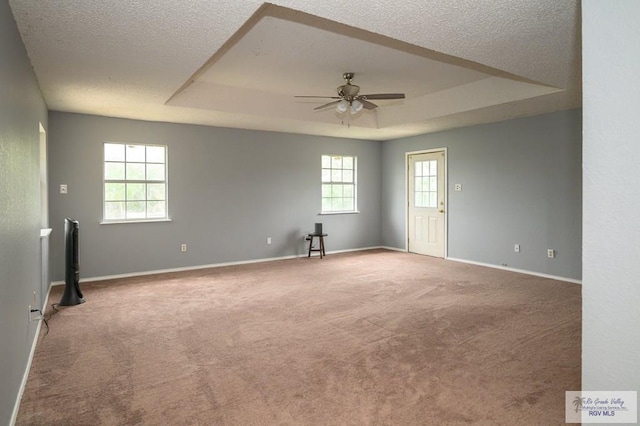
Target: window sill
{"x": 115, "y": 222}
{"x": 332, "y": 213}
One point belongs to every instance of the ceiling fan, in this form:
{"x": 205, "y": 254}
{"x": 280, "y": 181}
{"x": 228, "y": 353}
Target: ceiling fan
{"x": 349, "y": 98}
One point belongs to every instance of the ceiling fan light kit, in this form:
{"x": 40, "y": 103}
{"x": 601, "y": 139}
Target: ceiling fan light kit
{"x": 356, "y": 106}
{"x": 350, "y": 101}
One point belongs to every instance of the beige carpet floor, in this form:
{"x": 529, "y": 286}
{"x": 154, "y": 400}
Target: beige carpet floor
{"x": 366, "y": 338}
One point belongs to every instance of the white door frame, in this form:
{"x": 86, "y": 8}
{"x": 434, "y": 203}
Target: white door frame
{"x": 407, "y": 195}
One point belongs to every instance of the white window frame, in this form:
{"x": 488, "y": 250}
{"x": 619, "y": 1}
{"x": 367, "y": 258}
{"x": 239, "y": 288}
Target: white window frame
{"x": 146, "y": 181}
{"x": 328, "y": 178}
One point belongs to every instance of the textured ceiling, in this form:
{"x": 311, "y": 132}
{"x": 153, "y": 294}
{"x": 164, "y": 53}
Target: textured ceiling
{"x": 239, "y": 63}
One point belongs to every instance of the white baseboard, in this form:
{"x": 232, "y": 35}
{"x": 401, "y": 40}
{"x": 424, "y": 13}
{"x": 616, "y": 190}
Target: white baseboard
{"x": 521, "y": 271}
{"x": 393, "y": 249}
{"x": 214, "y": 265}
{"x": 303, "y": 255}
{"x": 352, "y": 250}
{"x": 504, "y": 268}
{"x": 181, "y": 269}
{"x": 25, "y": 376}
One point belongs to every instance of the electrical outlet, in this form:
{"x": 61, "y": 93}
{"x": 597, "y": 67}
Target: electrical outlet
{"x": 516, "y": 248}
{"x": 63, "y": 188}
{"x": 34, "y": 314}
{"x": 268, "y": 240}
{"x": 458, "y": 187}
{"x": 551, "y": 253}
{"x": 183, "y": 248}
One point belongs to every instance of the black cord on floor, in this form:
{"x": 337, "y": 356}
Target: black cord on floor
{"x": 43, "y": 319}
{"x": 46, "y": 323}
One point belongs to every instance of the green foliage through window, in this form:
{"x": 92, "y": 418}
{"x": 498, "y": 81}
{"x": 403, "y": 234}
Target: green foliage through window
{"x": 338, "y": 183}
{"x": 135, "y": 182}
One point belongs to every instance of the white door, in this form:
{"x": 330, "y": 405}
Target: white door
{"x": 427, "y": 203}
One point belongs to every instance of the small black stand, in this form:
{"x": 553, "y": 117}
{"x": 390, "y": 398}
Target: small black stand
{"x": 320, "y": 244}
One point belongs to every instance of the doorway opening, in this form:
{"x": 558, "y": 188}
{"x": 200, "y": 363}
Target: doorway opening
{"x": 44, "y": 198}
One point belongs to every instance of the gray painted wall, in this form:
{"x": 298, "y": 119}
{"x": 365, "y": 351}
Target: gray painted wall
{"x": 229, "y": 190}
{"x": 22, "y": 108}
{"x": 611, "y": 283}
{"x": 521, "y": 182}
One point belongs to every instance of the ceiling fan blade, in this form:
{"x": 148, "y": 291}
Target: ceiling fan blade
{"x": 367, "y": 105}
{"x": 327, "y": 105}
{"x": 383, "y": 96}
{"x": 322, "y": 97}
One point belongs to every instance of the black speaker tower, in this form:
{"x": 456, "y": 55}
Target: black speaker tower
{"x": 72, "y": 294}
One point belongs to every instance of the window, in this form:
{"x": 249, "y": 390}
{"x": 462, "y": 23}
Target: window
{"x": 135, "y": 182}
{"x": 338, "y": 184}
{"x": 426, "y": 183}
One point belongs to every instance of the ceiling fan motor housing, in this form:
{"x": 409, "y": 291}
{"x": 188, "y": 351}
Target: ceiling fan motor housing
{"x": 348, "y": 91}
